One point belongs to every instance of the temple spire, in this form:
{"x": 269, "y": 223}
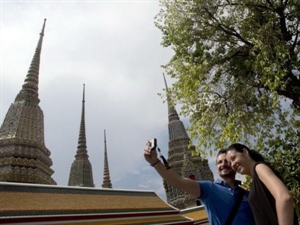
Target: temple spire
{"x": 166, "y": 85}
{"x": 82, "y": 137}
{"x": 106, "y": 176}
{"x": 81, "y": 173}
{"x": 24, "y": 156}
{"x": 176, "y": 127}
{"x": 181, "y": 160}
{"x": 29, "y": 91}
{"x": 172, "y": 113}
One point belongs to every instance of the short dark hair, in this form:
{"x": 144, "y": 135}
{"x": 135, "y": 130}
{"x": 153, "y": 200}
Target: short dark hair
{"x": 222, "y": 151}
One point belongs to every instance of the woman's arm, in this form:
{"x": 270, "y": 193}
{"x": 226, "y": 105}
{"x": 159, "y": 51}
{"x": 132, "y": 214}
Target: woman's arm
{"x": 282, "y": 196}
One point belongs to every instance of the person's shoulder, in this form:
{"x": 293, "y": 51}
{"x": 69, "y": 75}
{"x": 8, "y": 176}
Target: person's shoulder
{"x": 207, "y": 188}
{"x": 262, "y": 170}
{"x": 206, "y": 182}
{"x": 257, "y": 166}
{"x": 206, "y": 185}
{"x": 213, "y": 185}
{"x": 261, "y": 166}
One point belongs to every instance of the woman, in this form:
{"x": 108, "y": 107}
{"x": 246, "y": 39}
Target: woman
{"x": 269, "y": 198}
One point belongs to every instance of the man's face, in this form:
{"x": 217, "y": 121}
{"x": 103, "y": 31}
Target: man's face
{"x": 223, "y": 167}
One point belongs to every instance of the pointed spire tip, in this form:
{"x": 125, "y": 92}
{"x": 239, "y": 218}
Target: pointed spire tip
{"x": 83, "y": 97}
{"x": 165, "y": 82}
{"x": 43, "y": 29}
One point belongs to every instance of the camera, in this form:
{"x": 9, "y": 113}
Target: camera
{"x": 153, "y": 144}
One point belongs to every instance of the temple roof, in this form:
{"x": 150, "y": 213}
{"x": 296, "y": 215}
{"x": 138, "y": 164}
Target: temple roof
{"x": 34, "y": 203}
{"x": 198, "y": 214}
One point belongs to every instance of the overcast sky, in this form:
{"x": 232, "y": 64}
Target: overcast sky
{"x": 113, "y": 47}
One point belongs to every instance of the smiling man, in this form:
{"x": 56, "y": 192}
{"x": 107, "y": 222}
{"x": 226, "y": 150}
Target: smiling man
{"x": 217, "y": 197}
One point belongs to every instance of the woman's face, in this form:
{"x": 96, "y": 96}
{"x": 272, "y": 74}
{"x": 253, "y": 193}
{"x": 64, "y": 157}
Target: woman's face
{"x": 238, "y": 161}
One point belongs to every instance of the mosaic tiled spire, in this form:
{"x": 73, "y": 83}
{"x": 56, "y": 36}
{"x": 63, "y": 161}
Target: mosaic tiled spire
{"x": 181, "y": 160}
{"x": 106, "y": 176}
{"x": 81, "y": 173}
{"x": 23, "y": 154}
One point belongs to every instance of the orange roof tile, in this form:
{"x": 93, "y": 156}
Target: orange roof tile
{"x": 198, "y": 214}
{"x": 40, "y": 203}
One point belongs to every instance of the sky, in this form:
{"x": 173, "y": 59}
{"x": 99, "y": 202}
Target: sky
{"x": 114, "y": 48}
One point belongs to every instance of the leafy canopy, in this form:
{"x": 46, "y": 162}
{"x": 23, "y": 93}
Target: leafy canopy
{"x": 236, "y": 70}
{"x": 236, "y": 65}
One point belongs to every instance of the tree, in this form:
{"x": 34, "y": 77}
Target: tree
{"x": 236, "y": 67}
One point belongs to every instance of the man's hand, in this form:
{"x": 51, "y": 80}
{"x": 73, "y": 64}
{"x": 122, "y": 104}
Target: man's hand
{"x": 150, "y": 155}
{"x": 172, "y": 178}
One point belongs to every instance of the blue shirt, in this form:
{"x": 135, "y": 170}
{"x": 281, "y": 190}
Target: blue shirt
{"x": 218, "y": 199}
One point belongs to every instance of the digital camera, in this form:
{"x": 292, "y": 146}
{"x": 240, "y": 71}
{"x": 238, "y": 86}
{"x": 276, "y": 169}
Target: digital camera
{"x": 153, "y": 144}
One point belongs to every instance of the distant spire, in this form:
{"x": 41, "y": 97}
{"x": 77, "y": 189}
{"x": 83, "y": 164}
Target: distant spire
{"x": 167, "y": 89}
{"x": 81, "y": 173}
{"x": 23, "y": 155}
{"x": 172, "y": 113}
{"x": 29, "y": 91}
{"x": 165, "y": 82}
{"x": 106, "y": 176}
{"x": 82, "y": 137}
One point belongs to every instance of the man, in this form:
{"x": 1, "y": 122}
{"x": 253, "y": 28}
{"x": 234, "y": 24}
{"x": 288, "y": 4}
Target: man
{"x": 217, "y": 197}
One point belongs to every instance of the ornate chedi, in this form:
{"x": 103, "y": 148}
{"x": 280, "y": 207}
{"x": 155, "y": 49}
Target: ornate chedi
{"x": 81, "y": 173}
{"x": 182, "y": 161}
{"x": 106, "y": 176}
{"x": 23, "y": 155}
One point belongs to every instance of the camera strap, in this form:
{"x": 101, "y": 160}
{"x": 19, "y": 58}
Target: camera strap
{"x": 239, "y": 198}
{"x": 164, "y": 159}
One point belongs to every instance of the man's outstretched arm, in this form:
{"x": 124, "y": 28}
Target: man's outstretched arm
{"x": 171, "y": 177}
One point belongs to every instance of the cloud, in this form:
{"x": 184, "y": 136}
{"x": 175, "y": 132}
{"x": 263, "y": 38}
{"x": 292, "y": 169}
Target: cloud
{"x": 114, "y": 49}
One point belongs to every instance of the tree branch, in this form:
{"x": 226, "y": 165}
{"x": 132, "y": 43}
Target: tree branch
{"x": 292, "y": 49}
{"x": 285, "y": 2}
{"x": 270, "y": 3}
{"x": 228, "y": 30}
{"x": 286, "y": 34}
{"x": 292, "y": 90}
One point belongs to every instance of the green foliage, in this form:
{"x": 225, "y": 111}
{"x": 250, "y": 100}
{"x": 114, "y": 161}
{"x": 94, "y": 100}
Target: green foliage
{"x": 284, "y": 158}
{"x": 236, "y": 67}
